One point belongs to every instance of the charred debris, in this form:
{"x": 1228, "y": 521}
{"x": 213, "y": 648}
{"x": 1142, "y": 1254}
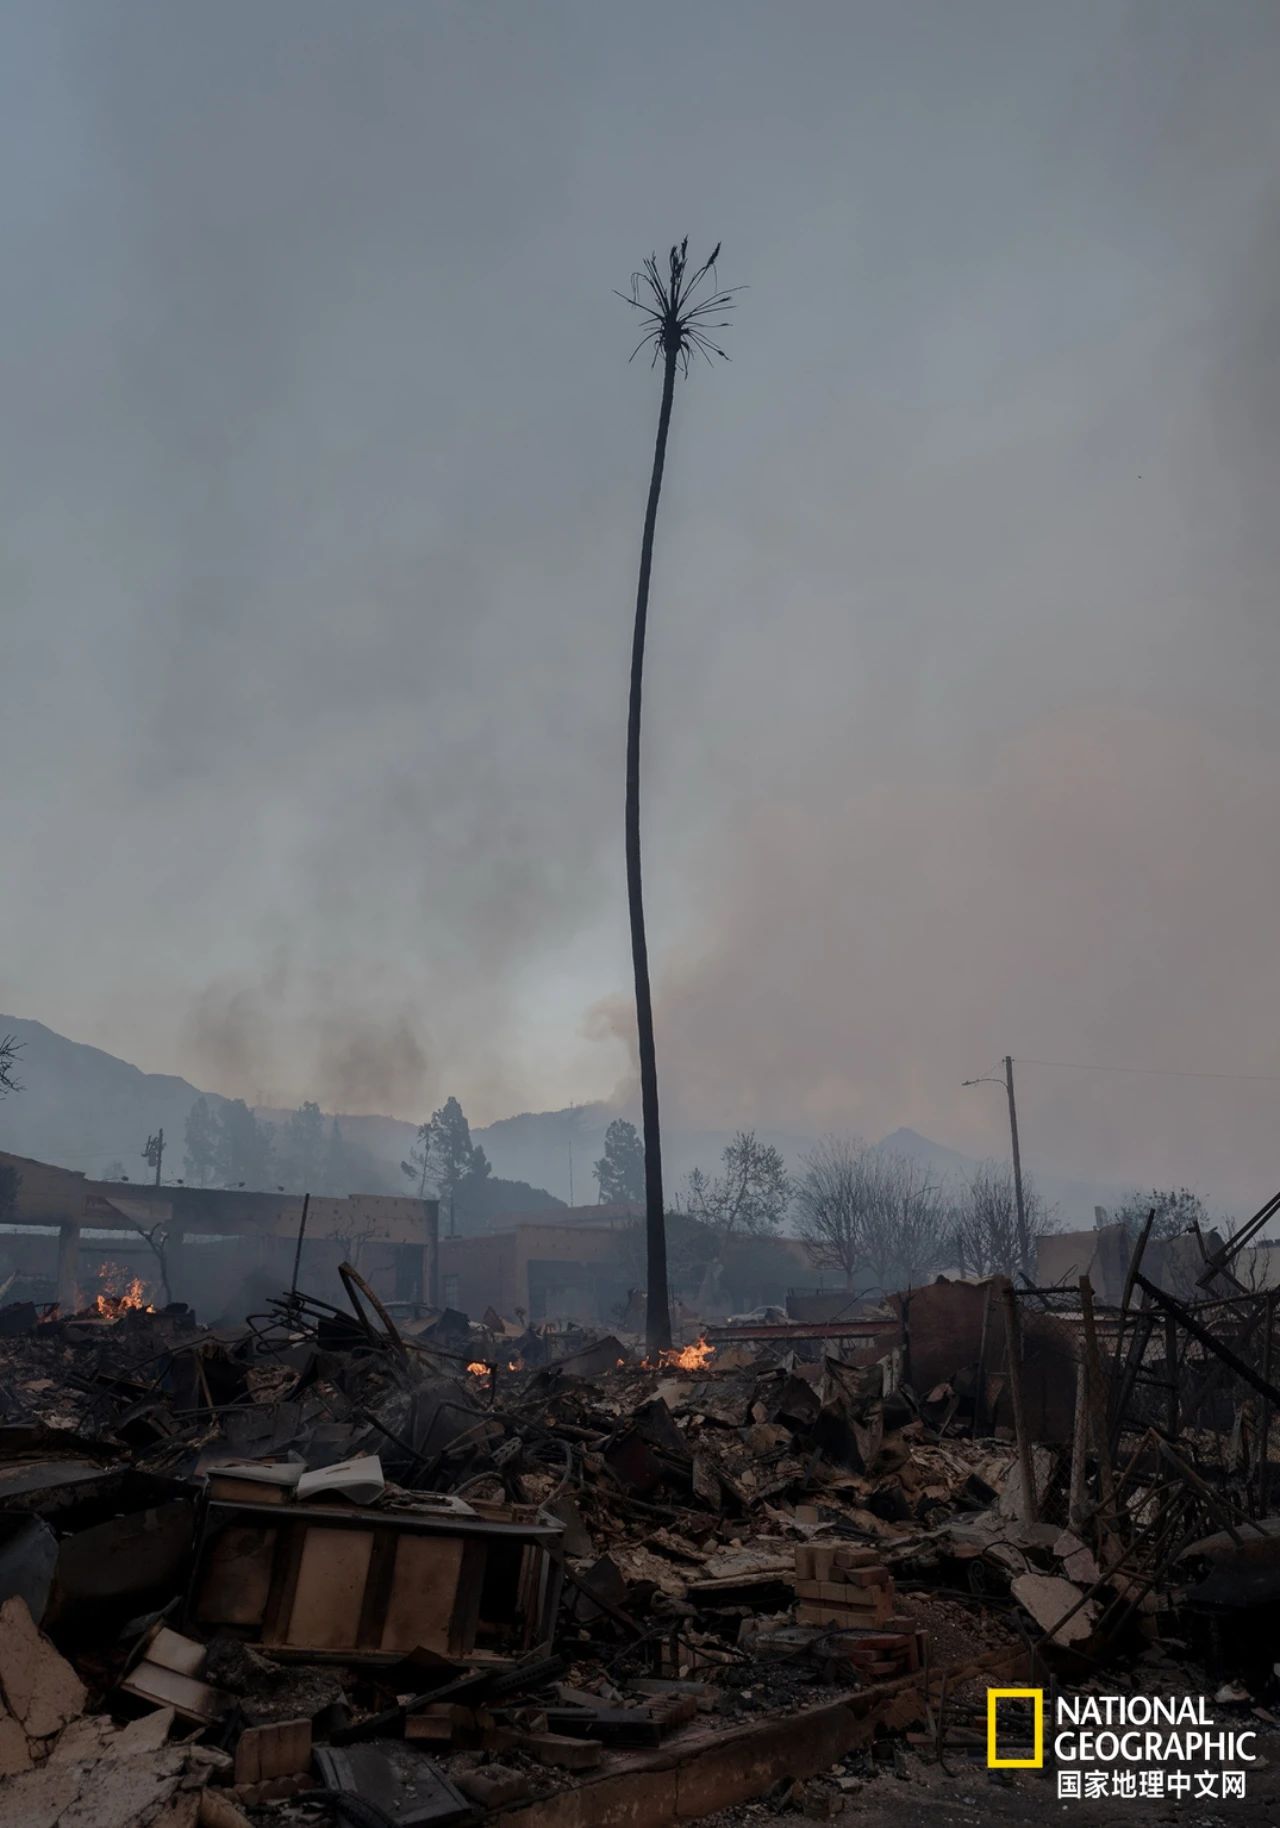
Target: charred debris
{"x": 370, "y": 1562}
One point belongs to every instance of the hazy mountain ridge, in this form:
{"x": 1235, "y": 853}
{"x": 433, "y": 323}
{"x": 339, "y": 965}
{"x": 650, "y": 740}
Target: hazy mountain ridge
{"x": 85, "y": 1108}
{"x": 82, "y": 1107}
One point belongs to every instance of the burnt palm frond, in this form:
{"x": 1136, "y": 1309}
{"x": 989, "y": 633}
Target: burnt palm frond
{"x": 676, "y": 319}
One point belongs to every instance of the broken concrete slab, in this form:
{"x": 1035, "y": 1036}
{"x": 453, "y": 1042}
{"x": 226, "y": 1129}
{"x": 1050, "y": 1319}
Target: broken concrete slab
{"x": 1078, "y": 1560}
{"x": 114, "y": 1793}
{"x": 101, "y": 1776}
{"x": 15, "y": 1751}
{"x": 39, "y": 1688}
{"x": 1049, "y": 1598}
{"x": 96, "y": 1736}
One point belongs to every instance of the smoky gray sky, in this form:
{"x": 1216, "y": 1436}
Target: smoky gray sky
{"x": 321, "y": 475}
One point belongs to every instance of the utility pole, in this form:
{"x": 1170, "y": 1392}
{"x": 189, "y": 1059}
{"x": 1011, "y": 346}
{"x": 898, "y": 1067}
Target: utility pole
{"x": 1023, "y": 1241}
{"x": 154, "y": 1152}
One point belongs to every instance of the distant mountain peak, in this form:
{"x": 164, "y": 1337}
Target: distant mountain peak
{"x": 905, "y": 1141}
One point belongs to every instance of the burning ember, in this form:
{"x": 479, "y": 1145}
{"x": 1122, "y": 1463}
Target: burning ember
{"x": 120, "y": 1293}
{"x": 515, "y": 1364}
{"x": 478, "y": 1370}
{"x": 687, "y": 1358}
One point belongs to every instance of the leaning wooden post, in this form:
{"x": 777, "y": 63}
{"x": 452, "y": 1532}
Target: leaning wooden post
{"x": 1013, "y": 1341}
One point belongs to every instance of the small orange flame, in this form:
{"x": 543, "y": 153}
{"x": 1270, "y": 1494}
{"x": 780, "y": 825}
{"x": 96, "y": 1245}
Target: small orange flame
{"x": 477, "y": 1369}
{"x": 122, "y": 1293}
{"x": 515, "y": 1364}
{"x": 687, "y": 1358}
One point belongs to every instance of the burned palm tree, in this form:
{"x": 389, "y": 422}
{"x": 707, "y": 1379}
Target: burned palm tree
{"x": 679, "y": 310}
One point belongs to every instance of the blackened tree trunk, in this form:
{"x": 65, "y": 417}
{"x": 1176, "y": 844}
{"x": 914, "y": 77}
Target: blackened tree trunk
{"x": 658, "y": 1306}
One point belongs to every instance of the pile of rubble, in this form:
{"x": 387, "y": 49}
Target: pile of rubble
{"x": 340, "y": 1567}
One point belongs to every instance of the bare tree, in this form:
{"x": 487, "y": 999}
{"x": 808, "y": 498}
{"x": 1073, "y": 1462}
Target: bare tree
{"x": 676, "y": 325}
{"x": 749, "y": 1198}
{"x": 864, "y": 1211}
{"x": 984, "y": 1229}
{"x": 907, "y": 1222}
{"x": 353, "y": 1241}
{"x": 157, "y": 1238}
{"x": 830, "y": 1203}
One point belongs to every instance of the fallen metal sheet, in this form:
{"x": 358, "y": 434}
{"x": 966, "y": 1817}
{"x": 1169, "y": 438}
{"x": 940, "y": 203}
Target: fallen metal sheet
{"x": 123, "y": 1536}
{"x": 408, "y": 1788}
{"x": 44, "y": 1469}
{"x": 111, "y": 1570}
{"x": 1239, "y": 1583}
{"x": 28, "y": 1557}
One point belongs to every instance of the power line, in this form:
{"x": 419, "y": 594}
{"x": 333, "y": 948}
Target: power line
{"x": 1159, "y": 1072}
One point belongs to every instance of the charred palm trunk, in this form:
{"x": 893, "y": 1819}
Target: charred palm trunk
{"x": 658, "y": 1305}
{"x": 677, "y": 324}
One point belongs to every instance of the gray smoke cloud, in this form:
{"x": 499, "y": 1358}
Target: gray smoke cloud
{"x": 322, "y": 471}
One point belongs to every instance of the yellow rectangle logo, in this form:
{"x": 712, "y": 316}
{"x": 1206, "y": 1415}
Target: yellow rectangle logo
{"x": 994, "y": 1761}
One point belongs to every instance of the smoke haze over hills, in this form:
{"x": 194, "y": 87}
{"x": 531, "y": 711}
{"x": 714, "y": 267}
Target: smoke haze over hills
{"x": 84, "y": 1109}
{"x": 322, "y": 472}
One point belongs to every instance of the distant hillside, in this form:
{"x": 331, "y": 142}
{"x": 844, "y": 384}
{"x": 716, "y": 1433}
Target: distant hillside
{"x": 80, "y": 1107}
{"x": 83, "y": 1108}
{"x": 555, "y": 1149}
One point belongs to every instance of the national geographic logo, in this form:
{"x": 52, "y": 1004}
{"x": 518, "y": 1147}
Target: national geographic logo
{"x": 1138, "y": 1745}
{"x": 994, "y": 1761}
